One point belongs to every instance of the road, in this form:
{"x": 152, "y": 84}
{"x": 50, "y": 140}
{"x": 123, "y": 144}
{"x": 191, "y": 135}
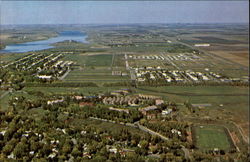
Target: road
{"x": 64, "y": 75}
{"x": 145, "y": 129}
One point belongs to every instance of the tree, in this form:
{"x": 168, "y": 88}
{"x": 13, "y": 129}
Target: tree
{"x": 66, "y": 149}
{"x": 7, "y": 149}
{"x": 75, "y": 152}
{"x": 144, "y": 144}
{"x": 20, "y": 150}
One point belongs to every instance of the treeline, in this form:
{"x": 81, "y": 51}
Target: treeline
{"x": 61, "y": 84}
{"x": 105, "y": 113}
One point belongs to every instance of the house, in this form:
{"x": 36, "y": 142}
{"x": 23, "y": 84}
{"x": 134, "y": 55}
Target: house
{"x": 159, "y": 101}
{"x": 147, "y": 97}
{"x": 166, "y": 112}
{"x": 202, "y": 45}
{"x": 78, "y": 97}
{"x": 54, "y": 101}
{"x": 120, "y": 110}
{"x": 44, "y": 76}
{"x": 175, "y": 131}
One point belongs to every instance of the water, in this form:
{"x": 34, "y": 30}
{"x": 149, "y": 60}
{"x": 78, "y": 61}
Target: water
{"x": 46, "y": 44}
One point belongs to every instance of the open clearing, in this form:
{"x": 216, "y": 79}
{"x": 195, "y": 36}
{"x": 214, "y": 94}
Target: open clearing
{"x": 209, "y": 137}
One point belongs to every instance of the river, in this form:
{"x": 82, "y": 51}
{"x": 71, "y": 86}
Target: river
{"x": 46, "y": 44}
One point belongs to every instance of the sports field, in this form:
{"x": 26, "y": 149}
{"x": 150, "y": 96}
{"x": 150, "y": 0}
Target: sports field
{"x": 209, "y": 137}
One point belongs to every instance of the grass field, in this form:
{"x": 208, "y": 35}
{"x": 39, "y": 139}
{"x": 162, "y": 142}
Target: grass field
{"x": 96, "y": 68}
{"x": 65, "y": 90}
{"x": 99, "y": 60}
{"x": 209, "y": 137}
{"x": 90, "y": 60}
{"x": 11, "y": 57}
{"x": 94, "y": 75}
{"x": 4, "y": 102}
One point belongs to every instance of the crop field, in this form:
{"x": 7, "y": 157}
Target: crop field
{"x": 229, "y": 44}
{"x": 209, "y": 137}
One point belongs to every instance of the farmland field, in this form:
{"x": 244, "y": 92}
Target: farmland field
{"x": 209, "y": 137}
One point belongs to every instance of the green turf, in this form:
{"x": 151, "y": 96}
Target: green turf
{"x": 65, "y": 90}
{"x": 210, "y": 137}
{"x": 99, "y": 60}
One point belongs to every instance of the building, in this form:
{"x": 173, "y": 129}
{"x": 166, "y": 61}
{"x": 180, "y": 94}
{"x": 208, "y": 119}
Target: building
{"x": 159, "y": 101}
{"x": 202, "y": 45}
{"x": 54, "y": 101}
{"x": 120, "y": 110}
{"x": 44, "y": 76}
{"x": 150, "y": 112}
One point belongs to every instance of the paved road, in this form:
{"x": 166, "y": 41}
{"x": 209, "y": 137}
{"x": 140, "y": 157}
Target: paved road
{"x": 186, "y": 152}
{"x": 145, "y": 129}
{"x": 64, "y": 75}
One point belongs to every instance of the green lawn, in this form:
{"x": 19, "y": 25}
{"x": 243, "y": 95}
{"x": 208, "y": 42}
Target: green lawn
{"x": 214, "y": 95}
{"x": 90, "y": 60}
{"x": 12, "y": 57}
{"x": 99, "y": 60}
{"x": 65, "y": 90}
{"x": 210, "y": 137}
{"x": 94, "y": 75}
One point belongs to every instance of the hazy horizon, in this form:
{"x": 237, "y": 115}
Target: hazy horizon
{"x": 123, "y": 12}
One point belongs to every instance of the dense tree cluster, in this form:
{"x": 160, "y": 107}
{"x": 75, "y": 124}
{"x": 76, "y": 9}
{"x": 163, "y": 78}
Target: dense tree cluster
{"x": 169, "y": 129}
{"x": 55, "y": 137}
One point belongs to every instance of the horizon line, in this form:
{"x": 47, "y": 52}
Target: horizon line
{"x": 138, "y": 23}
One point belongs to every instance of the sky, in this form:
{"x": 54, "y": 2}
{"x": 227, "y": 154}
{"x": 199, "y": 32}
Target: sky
{"x": 119, "y": 12}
